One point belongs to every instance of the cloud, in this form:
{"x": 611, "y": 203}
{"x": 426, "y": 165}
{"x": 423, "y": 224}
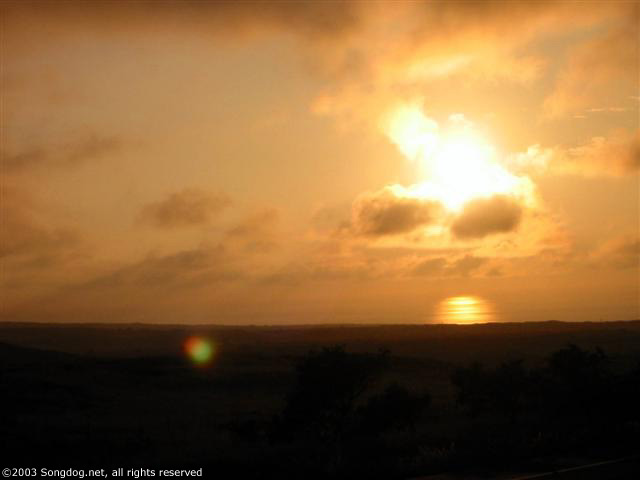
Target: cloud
{"x": 430, "y": 267}
{"x": 616, "y": 154}
{"x": 374, "y": 45}
{"x": 328, "y": 218}
{"x": 255, "y": 233}
{"x": 25, "y": 236}
{"x": 231, "y": 259}
{"x": 535, "y": 159}
{"x": 160, "y": 287}
{"x": 409, "y": 47}
{"x": 414, "y": 133}
{"x": 187, "y": 268}
{"x": 188, "y": 278}
{"x": 386, "y": 213}
{"x": 256, "y": 224}
{"x": 187, "y": 208}
{"x": 67, "y": 154}
{"x": 235, "y": 257}
{"x": 317, "y": 270}
{"x": 36, "y": 254}
{"x": 444, "y": 267}
{"x": 600, "y": 71}
{"x": 306, "y": 17}
{"x": 368, "y": 55}
{"x": 621, "y": 253}
{"x": 486, "y": 216}
{"x": 466, "y": 265}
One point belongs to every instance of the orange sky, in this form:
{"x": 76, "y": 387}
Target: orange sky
{"x": 316, "y": 162}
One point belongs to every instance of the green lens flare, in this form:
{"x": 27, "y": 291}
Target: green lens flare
{"x": 199, "y": 350}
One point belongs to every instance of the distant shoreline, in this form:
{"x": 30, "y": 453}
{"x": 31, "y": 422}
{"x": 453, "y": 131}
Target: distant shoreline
{"x": 314, "y": 325}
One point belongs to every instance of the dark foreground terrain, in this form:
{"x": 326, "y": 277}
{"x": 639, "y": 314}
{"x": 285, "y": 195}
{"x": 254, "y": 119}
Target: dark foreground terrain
{"x": 434, "y": 401}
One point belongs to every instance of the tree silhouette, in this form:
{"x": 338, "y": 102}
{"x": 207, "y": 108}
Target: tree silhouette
{"x": 395, "y": 407}
{"x": 473, "y": 388}
{"x": 332, "y": 413}
{"x": 576, "y": 382}
{"x": 328, "y": 385}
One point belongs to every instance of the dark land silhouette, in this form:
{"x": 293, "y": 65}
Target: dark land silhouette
{"x": 492, "y": 401}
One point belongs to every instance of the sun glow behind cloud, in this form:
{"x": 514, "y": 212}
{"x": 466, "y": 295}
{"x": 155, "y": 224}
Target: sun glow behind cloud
{"x": 457, "y": 164}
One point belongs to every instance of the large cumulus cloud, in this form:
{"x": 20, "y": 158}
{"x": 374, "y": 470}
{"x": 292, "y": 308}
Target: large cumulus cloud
{"x": 486, "y": 216}
{"x": 386, "y": 213}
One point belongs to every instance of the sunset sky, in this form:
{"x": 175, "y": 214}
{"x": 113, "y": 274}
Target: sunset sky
{"x": 319, "y": 162}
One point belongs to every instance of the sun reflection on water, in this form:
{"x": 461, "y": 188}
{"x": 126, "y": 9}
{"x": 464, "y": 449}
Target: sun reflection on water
{"x": 464, "y": 310}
